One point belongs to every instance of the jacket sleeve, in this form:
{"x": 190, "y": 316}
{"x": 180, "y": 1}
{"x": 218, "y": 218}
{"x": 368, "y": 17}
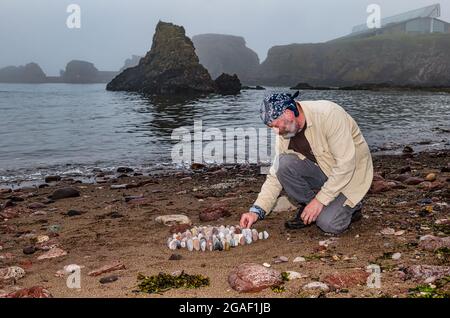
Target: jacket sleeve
{"x": 270, "y": 190}
{"x": 340, "y": 143}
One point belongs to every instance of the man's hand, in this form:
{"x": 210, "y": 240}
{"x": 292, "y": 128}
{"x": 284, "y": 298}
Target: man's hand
{"x": 312, "y": 211}
{"x": 247, "y": 219}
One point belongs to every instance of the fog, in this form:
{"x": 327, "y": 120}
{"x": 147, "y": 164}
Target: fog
{"x": 113, "y": 30}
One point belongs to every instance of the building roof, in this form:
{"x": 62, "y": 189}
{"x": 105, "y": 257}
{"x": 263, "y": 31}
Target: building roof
{"x": 432, "y": 11}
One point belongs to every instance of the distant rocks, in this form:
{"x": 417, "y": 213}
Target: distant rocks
{"x": 222, "y": 53}
{"x": 84, "y": 72}
{"x": 30, "y": 73}
{"x": 250, "y": 277}
{"x": 131, "y": 62}
{"x": 228, "y": 85}
{"x": 64, "y": 193}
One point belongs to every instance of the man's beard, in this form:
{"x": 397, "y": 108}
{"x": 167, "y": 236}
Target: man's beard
{"x": 292, "y": 131}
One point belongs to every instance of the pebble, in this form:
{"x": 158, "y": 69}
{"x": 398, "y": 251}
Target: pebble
{"x": 387, "y": 231}
{"x": 12, "y": 273}
{"x": 64, "y": 193}
{"x": 299, "y": 259}
{"x": 295, "y": 275}
{"x": 396, "y": 256}
{"x": 73, "y": 213}
{"x": 29, "y": 250}
{"x": 266, "y": 265}
{"x": 316, "y": 285}
{"x": 430, "y": 177}
{"x": 52, "y": 253}
{"x": 214, "y": 238}
{"x": 109, "y": 279}
{"x": 173, "y": 219}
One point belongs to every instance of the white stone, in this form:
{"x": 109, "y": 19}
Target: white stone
{"x": 396, "y": 256}
{"x": 295, "y": 275}
{"x": 266, "y": 265}
{"x": 299, "y": 259}
{"x": 173, "y": 219}
{"x": 316, "y": 285}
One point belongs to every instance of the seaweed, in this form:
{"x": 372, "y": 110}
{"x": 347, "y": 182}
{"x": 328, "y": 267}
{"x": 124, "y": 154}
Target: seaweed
{"x": 278, "y": 289}
{"x": 285, "y": 276}
{"x": 163, "y": 282}
{"x": 431, "y": 291}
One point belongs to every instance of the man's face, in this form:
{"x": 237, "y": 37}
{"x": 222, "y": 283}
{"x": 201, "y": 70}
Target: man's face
{"x": 286, "y": 125}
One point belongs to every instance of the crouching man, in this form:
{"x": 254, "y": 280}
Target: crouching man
{"x": 322, "y": 161}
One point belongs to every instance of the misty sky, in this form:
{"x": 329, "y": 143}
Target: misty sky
{"x": 113, "y": 30}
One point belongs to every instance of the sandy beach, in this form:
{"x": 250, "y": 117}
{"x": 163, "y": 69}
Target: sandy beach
{"x": 110, "y": 229}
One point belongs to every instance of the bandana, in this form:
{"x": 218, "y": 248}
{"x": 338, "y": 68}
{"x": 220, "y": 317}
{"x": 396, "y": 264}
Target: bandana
{"x": 274, "y": 105}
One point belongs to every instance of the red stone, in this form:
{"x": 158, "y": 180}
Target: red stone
{"x": 347, "y": 279}
{"x": 249, "y": 277}
{"x": 33, "y": 292}
{"x": 380, "y": 186}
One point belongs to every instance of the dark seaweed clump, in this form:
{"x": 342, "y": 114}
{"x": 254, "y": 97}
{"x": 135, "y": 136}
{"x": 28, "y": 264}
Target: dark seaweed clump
{"x": 163, "y": 282}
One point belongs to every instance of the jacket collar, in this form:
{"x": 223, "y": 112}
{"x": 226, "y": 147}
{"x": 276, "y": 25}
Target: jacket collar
{"x": 307, "y": 112}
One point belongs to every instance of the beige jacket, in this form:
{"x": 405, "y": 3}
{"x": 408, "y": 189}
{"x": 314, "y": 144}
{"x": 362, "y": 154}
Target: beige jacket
{"x": 340, "y": 150}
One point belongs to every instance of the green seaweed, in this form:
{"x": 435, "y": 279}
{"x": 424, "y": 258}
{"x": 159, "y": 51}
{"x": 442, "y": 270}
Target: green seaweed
{"x": 163, "y": 282}
{"x": 278, "y": 289}
{"x": 285, "y": 276}
{"x": 431, "y": 291}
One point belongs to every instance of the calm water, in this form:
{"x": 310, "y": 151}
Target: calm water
{"x": 63, "y": 128}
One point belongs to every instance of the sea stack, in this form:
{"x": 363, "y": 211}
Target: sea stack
{"x": 170, "y": 67}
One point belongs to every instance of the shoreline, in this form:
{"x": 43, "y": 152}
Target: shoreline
{"x": 115, "y": 221}
{"x": 92, "y": 172}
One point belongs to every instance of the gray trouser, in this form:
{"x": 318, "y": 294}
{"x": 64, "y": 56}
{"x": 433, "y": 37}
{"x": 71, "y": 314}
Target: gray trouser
{"x": 302, "y": 179}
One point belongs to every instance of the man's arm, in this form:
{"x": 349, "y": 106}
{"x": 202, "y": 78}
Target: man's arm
{"x": 340, "y": 143}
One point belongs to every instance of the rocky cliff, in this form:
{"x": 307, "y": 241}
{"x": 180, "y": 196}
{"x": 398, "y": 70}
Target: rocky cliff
{"x": 30, "y": 73}
{"x": 170, "y": 67}
{"x": 417, "y": 60}
{"x": 221, "y": 53}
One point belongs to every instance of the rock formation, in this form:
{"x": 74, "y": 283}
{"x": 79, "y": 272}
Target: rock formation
{"x": 221, "y": 53}
{"x": 228, "y": 85}
{"x": 416, "y": 60}
{"x": 30, "y": 73}
{"x": 170, "y": 67}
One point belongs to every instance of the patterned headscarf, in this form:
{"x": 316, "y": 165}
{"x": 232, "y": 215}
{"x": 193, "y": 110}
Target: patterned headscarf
{"x": 274, "y": 105}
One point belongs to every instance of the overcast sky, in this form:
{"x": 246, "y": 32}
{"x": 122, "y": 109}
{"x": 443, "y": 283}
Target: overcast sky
{"x": 113, "y": 30}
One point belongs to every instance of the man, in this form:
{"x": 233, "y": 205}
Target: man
{"x": 322, "y": 161}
